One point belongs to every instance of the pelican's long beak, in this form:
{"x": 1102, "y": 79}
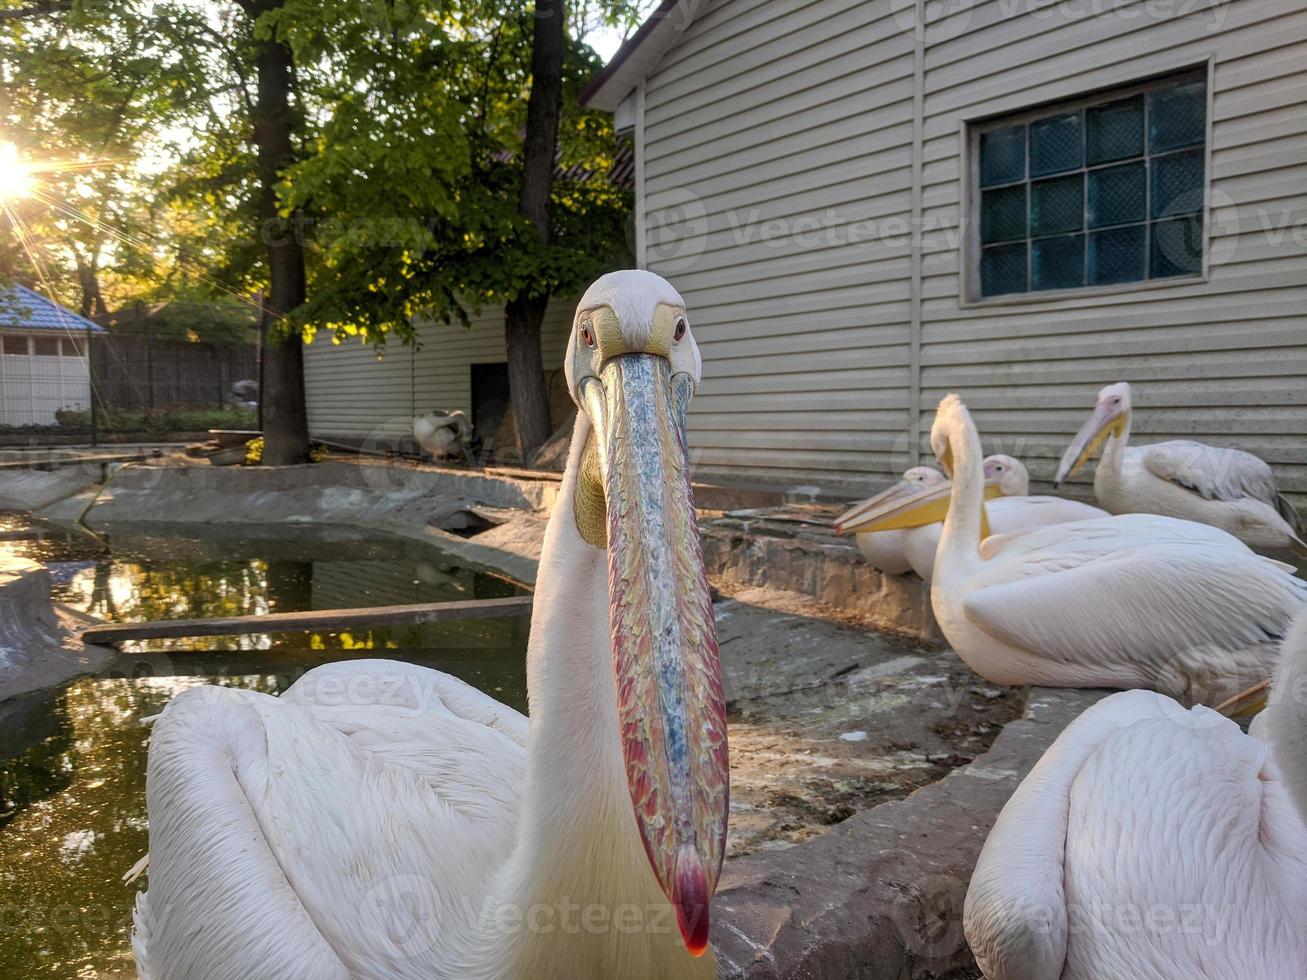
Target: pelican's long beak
{"x": 852, "y": 520}
{"x": 903, "y": 506}
{"x": 1105, "y": 421}
{"x": 669, "y": 685}
{"x": 1248, "y": 703}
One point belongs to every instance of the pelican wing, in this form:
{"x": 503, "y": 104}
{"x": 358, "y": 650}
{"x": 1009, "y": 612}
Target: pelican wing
{"x": 1210, "y": 471}
{"x": 1141, "y": 805}
{"x": 1144, "y": 590}
{"x": 344, "y": 830}
{"x": 1015, "y": 915}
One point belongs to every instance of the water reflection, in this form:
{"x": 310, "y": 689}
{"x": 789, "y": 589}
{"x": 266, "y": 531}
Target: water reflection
{"x": 72, "y": 762}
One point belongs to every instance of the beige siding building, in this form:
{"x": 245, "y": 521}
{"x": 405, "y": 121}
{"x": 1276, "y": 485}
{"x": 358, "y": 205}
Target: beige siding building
{"x": 1138, "y": 177}
{"x": 359, "y": 396}
{"x": 870, "y": 203}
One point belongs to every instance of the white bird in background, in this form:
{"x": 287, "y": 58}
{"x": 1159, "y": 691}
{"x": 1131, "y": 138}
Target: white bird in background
{"x": 382, "y": 820}
{"x": 1154, "y": 843}
{"x": 1226, "y": 488}
{"x": 1132, "y": 601}
{"x": 884, "y": 549}
{"x": 1009, "y": 509}
{"x": 443, "y": 434}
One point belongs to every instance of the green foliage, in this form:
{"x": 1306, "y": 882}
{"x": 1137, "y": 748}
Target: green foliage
{"x": 408, "y": 135}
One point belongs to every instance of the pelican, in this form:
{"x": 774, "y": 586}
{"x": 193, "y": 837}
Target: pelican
{"x": 1132, "y": 601}
{"x": 1009, "y": 510}
{"x": 884, "y": 549}
{"x": 382, "y": 820}
{"x": 1155, "y": 843}
{"x": 443, "y": 434}
{"x": 1226, "y": 488}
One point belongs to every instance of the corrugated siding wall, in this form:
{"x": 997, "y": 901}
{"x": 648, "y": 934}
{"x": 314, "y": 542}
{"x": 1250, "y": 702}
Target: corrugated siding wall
{"x": 353, "y": 394}
{"x": 802, "y": 114}
{"x": 772, "y": 133}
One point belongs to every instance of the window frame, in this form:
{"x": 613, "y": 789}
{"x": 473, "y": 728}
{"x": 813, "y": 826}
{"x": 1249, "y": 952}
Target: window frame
{"x": 25, "y": 338}
{"x": 971, "y": 131}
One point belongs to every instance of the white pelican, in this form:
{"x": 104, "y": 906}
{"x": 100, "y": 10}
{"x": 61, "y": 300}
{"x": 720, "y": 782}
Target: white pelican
{"x": 382, "y": 820}
{"x": 1131, "y": 601}
{"x": 1009, "y": 509}
{"x": 884, "y": 549}
{"x": 443, "y": 434}
{"x": 1226, "y": 488}
{"x": 1154, "y": 843}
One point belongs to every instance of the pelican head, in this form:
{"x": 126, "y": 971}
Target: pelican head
{"x": 1111, "y": 417}
{"x": 914, "y": 480}
{"x": 924, "y": 498}
{"x": 1008, "y": 474}
{"x": 632, "y": 367}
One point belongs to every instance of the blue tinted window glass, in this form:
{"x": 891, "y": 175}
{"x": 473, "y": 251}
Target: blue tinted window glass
{"x": 1003, "y": 270}
{"x": 1057, "y": 205}
{"x": 1115, "y": 131}
{"x": 1177, "y": 117}
{"x": 1118, "y": 255}
{"x": 1177, "y": 247}
{"x": 1003, "y": 214}
{"x": 1177, "y": 183}
{"x": 1118, "y": 195}
{"x": 1003, "y": 156}
{"x": 1056, "y": 145}
{"x": 1058, "y": 263}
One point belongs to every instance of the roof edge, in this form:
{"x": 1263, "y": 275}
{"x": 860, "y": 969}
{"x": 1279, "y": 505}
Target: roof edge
{"x": 607, "y": 90}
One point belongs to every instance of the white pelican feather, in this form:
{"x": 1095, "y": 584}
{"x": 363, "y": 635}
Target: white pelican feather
{"x": 1156, "y": 843}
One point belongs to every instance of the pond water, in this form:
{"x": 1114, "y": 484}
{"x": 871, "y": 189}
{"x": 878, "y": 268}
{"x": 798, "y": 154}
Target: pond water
{"x": 72, "y": 762}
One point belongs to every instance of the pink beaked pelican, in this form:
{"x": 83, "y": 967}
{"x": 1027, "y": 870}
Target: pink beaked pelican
{"x": 1226, "y": 488}
{"x": 1154, "y": 843}
{"x": 383, "y": 820}
{"x": 1009, "y": 509}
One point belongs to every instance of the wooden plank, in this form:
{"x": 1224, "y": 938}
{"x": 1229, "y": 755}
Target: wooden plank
{"x": 295, "y": 622}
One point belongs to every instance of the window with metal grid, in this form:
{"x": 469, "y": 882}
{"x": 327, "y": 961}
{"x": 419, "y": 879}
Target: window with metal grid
{"x": 1101, "y": 192}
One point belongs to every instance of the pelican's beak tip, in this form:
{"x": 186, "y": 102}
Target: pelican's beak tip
{"x": 691, "y": 898}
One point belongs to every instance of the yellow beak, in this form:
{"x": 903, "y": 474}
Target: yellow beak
{"x": 898, "y": 509}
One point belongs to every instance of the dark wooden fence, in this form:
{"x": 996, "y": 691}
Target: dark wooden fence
{"x": 146, "y": 373}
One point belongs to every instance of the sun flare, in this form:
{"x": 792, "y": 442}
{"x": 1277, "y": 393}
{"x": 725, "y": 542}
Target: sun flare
{"x": 15, "y": 176}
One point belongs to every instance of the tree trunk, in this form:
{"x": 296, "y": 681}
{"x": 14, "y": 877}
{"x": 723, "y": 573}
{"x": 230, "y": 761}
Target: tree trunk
{"x": 285, "y": 418}
{"x": 89, "y": 280}
{"x": 526, "y": 373}
{"x": 526, "y": 311}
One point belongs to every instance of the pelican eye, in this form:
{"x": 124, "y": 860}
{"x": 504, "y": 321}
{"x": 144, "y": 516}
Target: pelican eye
{"x": 587, "y": 335}
{"x": 680, "y": 330}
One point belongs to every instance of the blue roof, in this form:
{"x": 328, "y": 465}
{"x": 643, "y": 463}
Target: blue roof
{"x": 24, "y": 309}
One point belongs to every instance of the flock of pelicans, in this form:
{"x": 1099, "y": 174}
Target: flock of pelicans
{"x": 383, "y": 820}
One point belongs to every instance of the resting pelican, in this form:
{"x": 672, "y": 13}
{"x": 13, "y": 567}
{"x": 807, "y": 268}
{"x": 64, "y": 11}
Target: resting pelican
{"x": 1009, "y": 509}
{"x": 383, "y": 820}
{"x": 884, "y": 549}
{"x": 1226, "y": 488}
{"x": 1131, "y": 601}
{"x": 1154, "y": 843}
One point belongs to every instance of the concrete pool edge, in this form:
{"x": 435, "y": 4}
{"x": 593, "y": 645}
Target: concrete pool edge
{"x": 428, "y": 502}
{"x": 39, "y": 648}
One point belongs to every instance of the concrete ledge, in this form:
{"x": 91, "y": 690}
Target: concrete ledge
{"x": 830, "y": 570}
{"x": 38, "y": 648}
{"x": 377, "y": 494}
{"x": 879, "y": 897}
